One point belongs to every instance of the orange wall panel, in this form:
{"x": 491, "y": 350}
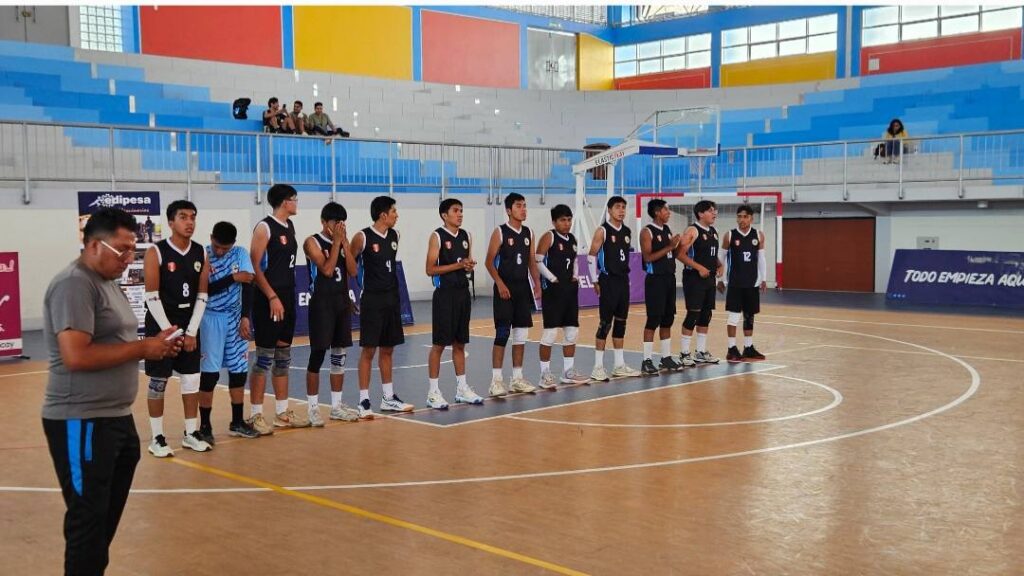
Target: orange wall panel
{"x": 474, "y": 51}
{"x": 239, "y": 34}
{"x": 696, "y": 78}
{"x": 941, "y": 52}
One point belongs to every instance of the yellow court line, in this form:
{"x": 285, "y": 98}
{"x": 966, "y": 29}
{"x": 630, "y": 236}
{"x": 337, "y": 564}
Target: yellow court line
{"x": 327, "y": 503}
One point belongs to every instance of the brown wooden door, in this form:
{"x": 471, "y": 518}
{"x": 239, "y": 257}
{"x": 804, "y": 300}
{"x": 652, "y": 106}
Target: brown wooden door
{"x": 835, "y": 254}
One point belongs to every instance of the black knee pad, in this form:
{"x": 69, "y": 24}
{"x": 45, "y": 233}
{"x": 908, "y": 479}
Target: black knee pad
{"x": 236, "y": 379}
{"x": 603, "y": 327}
{"x": 652, "y": 322}
{"x": 748, "y": 321}
{"x": 316, "y": 360}
{"x": 208, "y": 381}
{"x": 690, "y": 321}
{"x": 501, "y": 334}
{"x": 618, "y": 328}
{"x": 667, "y": 321}
{"x": 705, "y": 319}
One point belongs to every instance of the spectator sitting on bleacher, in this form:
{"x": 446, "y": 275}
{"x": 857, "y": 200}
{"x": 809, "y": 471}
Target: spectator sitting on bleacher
{"x": 894, "y": 143}
{"x": 298, "y": 117}
{"x": 320, "y": 123}
{"x": 276, "y": 119}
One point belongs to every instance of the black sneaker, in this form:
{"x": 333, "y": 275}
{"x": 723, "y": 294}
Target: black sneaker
{"x": 751, "y": 353}
{"x": 669, "y": 363}
{"x": 647, "y": 368}
{"x": 242, "y": 430}
{"x": 206, "y": 433}
{"x": 733, "y": 355}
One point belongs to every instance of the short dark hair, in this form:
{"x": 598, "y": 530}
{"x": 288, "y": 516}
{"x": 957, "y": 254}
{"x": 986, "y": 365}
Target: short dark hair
{"x": 745, "y": 208}
{"x": 278, "y": 193}
{"x": 703, "y": 206}
{"x": 512, "y": 198}
{"x": 380, "y": 205}
{"x": 333, "y": 211}
{"x": 654, "y": 206}
{"x": 272, "y": 101}
{"x": 224, "y": 233}
{"x": 447, "y": 204}
{"x": 317, "y": 104}
{"x": 560, "y": 211}
{"x": 616, "y": 200}
{"x": 173, "y": 207}
{"x": 299, "y": 102}
{"x": 106, "y": 221}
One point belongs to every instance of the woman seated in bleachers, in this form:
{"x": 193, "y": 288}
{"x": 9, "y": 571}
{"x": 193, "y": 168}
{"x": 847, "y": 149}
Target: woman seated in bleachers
{"x": 894, "y": 141}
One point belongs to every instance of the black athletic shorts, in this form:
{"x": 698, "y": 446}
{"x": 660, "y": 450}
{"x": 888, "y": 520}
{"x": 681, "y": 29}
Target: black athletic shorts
{"x": 450, "y": 310}
{"x": 330, "y": 323}
{"x": 745, "y": 300}
{"x": 516, "y": 311}
{"x": 614, "y": 299}
{"x": 561, "y": 305}
{"x": 660, "y": 297}
{"x": 183, "y": 363}
{"x": 380, "y": 319}
{"x": 267, "y": 332}
{"x": 698, "y": 292}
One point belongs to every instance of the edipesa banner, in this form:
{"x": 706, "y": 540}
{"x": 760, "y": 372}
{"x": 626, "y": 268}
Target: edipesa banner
{"x": 302, "y": 300}
{"x": 10, "y": 306}
{"x": 958, "y": 277}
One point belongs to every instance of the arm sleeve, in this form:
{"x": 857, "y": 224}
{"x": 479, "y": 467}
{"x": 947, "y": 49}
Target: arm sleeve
{"x": 762, "y": 268}
{"x": 246, "y": 300}
{"x": 197, "y": 315}
{"x": 592, "y": 267}
{"x": 539, "y": 259}
{"x": 156, "y": 309}
{"x": 220, "y": 285}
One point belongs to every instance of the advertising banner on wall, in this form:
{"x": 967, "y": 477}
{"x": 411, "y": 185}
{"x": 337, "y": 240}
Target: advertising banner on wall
{"x": 958, "y": 277}
{"x": 145, "y": 207}
{"x": 302, "y": 289}
{"x": 589, "y": 298}
{"x": 10, "y": 306}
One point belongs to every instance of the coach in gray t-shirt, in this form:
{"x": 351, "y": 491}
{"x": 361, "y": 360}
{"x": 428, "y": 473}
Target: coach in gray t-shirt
{"x": 90, "y": 331}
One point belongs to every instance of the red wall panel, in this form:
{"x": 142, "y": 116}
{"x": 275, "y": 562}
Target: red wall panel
{"x": 941, "y": 52}
{"x": 696, "y": 78}
{"x": 240, "y": 34}
{"x": 474, "y": 51}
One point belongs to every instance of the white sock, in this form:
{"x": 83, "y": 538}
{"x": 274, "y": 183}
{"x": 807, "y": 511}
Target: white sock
{"x": 364, "y": 395}
{"x": 335, "y": 398}
{"x": 313, "y": 401}
{"x": 255, "y": 409}
{"x": 598, "y": 357}
{"x": 702, "y": 341}
{"x": 568, "y": 363}
{"x": 496, "y": 373}
{"x": 517, "y": 372}
{"x": 156, "y": 425}
{"x": 732, "y": 341}
{"x": 433, "y": 386}
{"x": 460, "y": 380}
{"x": 748, "y": 341}
{"x": 666, "y": 347}
{"x": 545, "y": 366}
{"x": 648, "y": 350}
{"x": 281, "y": 406}
{"x": 619, "y": 360}
{"x": 389, "y": 390}
{"x": 686, "y": 344}
{"x": 190, "y": 425}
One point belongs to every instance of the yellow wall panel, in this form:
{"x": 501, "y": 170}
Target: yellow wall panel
{"x": 359, "y": 40}
{"x": 802, "y": 68}
{"x": 595, "y": 61}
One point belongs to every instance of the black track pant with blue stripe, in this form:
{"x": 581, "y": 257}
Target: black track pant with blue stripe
{"x": 95, "y": 461}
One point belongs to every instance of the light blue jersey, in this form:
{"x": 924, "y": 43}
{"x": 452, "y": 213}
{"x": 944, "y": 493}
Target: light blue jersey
{"x": 235, "y": 260}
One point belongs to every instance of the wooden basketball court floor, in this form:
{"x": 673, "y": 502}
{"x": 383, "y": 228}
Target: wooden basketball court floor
{"x": 869, "y": 442}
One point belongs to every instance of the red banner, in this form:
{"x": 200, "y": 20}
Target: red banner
{"x": 10, "y": 305}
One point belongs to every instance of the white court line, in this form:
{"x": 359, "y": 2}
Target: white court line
{"x": 24, "y": 373}
{"x": 897, "y": 324}
{"x": 890, "y": 351}
{"x": 837, "y": 399}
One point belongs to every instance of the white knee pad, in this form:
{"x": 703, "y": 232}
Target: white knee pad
{"x": 189, "y": 383}
{"x": 734, "y": 319}
{"x": 519, "y": 335}
{"x": 547, "y": 338}
{"x": 338, "y": 358}
{"x": 570, "y": 333}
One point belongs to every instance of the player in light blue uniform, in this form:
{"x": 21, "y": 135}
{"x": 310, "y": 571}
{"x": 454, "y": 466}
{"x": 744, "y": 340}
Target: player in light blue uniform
{"x": 225, "y": 329}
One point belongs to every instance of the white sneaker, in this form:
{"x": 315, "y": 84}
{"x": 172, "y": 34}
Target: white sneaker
{"x": 497, "y": 388}
{"x": 195, "y": 442}
{"x": 344, "y": 413}
{"x": 315, "y": 419}
{"x": 571, "y": 376}
{"x": 547, "y": 381}
{"x": 159, "y": 448}
{"x": 466, "y": 395}
{"x": 625, "y": 372}
{"x": 365, "y": 410}
{"x": 521, "y": 386}
{"x": 599, "y": 374}
{"x": 436, "y": 401}
{"x": 394, "y": 404}
{"x": 705, "y": 358}
{"x": 686, "y": 360}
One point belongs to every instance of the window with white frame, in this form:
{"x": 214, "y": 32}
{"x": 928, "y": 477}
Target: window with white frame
{"x": 892, "y": 24}
{"x": 789, "y": 38}
{"x": 683, "y": 53}
{"x": 101, "y": 28}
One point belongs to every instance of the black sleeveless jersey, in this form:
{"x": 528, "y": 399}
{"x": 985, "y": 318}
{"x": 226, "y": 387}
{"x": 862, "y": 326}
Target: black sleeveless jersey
{"x": 453, "y": 249}
{"x": 332, "y": 287}
{"x": 278, "y": 263}
{"x": 560, "y": 258}
{"x": 513, "y": 256}
{"x": 613, "y": 259}
{"x": 378, "y": 263}
{"x": 179, "y": 280}
{"x": 742, "y": 257}
{"x": 660, "y": 238}
{"x": 704, "y": 251}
